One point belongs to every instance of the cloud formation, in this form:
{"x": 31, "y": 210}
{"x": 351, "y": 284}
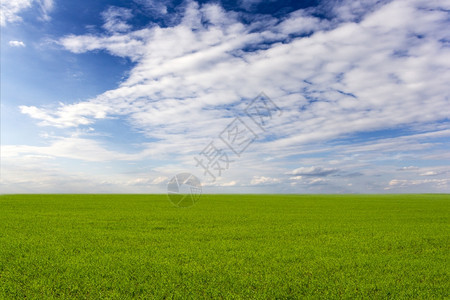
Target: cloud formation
{"x": 313, "y": 171}
{"x": 376, "y": 73}
{"x": 366, "y": 68}
{"x": 16, "y": 44}
{"x": 11, "y": 9}
{"x": 115, "y": 19}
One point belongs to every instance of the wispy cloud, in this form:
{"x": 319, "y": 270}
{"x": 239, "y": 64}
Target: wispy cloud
{"x": 367, "y": 67}
{"x": 11, "y": 9}
{"x": 67, "y": 115}
{"x": 262, "y": 180}
{"x": 313, "y": 171}
{"x": 46, "y": 6}
{"x": 115, "y": 19}
{"x": 249, "y": 4}
{"x": 405, "y": 184}
{"x": 158, "y": 7}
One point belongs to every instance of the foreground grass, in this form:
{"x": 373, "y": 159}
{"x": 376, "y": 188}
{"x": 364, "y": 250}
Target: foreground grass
{"x": 227, "y": 246}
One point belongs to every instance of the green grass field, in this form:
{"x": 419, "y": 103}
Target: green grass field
{"x": 226, "y": 246}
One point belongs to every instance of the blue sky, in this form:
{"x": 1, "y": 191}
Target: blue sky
{"x": 120, "y": 96}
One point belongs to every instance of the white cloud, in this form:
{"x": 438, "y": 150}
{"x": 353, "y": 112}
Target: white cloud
{"x": 317, "y": 181}
{"x": 313, "y": 171}
{"x": 403, "y": 183}
{"x": 31, "y": 174}
{"x": 231, "y": 183}
{"x": 300, "y": 22}
{"x": 67, "y": 115}
{"x": 11, "y": 9}
{"x": 146, "y": 181}
{"x": 158, "y": 7}
{"x": 115, "y": 19}
{"x": 121, "y": 44}
{"x": 16, "y": 44}
{"x": 408, "y": 168}
{"x": 202, "y": 61}
{"x": 258, "y": 180}
{"x": 351, "y": 10}
{"x": 371, "y": 68}
{"x": 436, "y": 171}
{"x": 70, "y": 147}
{"x": 429, "y": 173}
{"x": 46, "y": 6}
{"x": 160, "y": 179}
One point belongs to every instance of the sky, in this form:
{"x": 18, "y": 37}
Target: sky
{"x": 249, "y": 96}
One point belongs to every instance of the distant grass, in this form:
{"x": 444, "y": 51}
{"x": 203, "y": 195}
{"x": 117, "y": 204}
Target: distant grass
{"x": 227, "y": 246}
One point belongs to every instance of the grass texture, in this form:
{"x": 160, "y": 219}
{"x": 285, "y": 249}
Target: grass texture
{"x": 225, "y": 247}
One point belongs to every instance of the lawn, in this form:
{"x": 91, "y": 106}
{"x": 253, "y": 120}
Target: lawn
{"x": 226, "y": 246}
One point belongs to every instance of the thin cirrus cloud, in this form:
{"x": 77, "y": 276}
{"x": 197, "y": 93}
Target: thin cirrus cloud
{"x": 314, "y": 171}
{"x": 158, "y": 7}
{"x": 115, "y": 19}
{"x": 364, "y": 69}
